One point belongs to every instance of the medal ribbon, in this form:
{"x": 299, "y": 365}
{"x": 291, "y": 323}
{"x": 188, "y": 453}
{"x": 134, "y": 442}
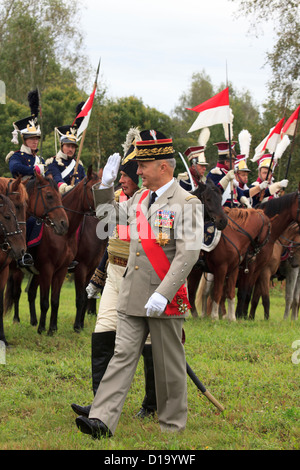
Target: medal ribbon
{"x": 159, "y": 260}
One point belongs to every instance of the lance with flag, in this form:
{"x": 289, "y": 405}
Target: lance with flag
{"x": 290, "y": 128}
{"x": 83, "y": 119}
{"x": 216, "y": 110}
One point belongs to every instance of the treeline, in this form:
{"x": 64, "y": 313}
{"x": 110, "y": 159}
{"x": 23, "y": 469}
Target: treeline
{"x": 36, "y": 51}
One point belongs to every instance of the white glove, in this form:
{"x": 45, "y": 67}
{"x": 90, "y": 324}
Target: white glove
{"x": 263, "y": 185}
{"x": 110, "y": 171}
{"x": 92, "y": 291}
{"x": 244, "y": 200}
{"x": 284, "y": 183}
{"x": 156, "y": 305}
{"x": 64, "y": 188}
{"x": 39, "y": 168}
{"x": 275, "y": 187}
{"x": 226, "y": 179}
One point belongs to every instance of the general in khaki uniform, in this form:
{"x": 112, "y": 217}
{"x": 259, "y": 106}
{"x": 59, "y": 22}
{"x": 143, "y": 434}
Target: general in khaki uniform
{"x": 165, "y": 242}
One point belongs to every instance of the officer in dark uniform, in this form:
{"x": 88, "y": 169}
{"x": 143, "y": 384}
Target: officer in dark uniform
{"x": 63, "y": 166}
{"x": 26, "y": 160}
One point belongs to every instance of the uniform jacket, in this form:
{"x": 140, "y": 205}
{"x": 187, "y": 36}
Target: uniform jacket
{"x": 266, "y": 195}
{"x": 216, "y": 174}
{"x": 185, "y": 237}
{"x": 22, "y": 162}
{"x": 58, "y": 164}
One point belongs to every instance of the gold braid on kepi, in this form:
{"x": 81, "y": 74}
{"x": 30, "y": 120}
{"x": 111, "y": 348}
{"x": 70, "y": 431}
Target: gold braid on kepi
{"x": 153, "y": 146}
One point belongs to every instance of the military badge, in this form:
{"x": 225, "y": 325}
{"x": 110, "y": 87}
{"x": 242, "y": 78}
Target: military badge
{"x": 164, "y": 219}
{"x": 162, "y": 239}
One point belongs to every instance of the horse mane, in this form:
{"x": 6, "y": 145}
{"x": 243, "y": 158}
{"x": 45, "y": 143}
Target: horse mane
{"x": 237, "y": 215}
{"x": 31, "y": 182}
{"x": 277, "y": 205}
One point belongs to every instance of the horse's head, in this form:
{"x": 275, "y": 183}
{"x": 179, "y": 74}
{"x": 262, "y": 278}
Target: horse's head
{"x": 211, "y": 197}
{"x": 11, "y": 236}
{"x": 44, "y": 202}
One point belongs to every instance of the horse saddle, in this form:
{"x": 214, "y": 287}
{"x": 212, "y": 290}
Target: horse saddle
{"x": 211, "y": 237}
{"x": 34, "y": 231}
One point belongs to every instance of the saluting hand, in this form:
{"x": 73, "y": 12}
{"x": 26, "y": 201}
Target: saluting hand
{"x": 110, "y": 171}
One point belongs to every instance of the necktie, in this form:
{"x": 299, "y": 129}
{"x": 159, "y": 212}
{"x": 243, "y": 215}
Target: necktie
{"x": 152, "y": 199}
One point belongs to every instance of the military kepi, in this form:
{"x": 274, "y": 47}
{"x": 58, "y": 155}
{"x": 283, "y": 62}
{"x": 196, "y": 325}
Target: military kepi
{"x": 154, "y": 146}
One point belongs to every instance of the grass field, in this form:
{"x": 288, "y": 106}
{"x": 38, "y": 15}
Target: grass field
{"x": 246, "y": 365}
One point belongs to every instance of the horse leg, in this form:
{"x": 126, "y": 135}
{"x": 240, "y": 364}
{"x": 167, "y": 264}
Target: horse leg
{"x": 31, "y": 295}
{"x": 296, "y": 297}
{"x": 290, "y": 287}
{"x": 44, "y": 304}
{"x": 219, "y": 282}
{"x": 81, "y": 299}
{"x": 3, "y": 281}
{"x": 255, "y": 300}
{"x": 231, "y": 283}
{"x": 57, "y": 283}
{"x": 193, "y": 282}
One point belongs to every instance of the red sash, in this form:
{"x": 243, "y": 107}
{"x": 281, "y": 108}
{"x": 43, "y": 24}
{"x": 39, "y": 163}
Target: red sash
{"x": 159, "y": 260}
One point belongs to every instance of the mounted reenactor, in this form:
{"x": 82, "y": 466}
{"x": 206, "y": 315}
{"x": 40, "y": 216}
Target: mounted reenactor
{"x": 63, "y": 166}
{"x": 26, "y": 160}
{"x": 265, "y": 181}
{"x": 198, "y": 164}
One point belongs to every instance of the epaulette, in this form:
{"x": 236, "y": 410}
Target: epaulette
{"x": 10, "y": 154}
{"x": 49, "y": 161}
{"x": 216, "y": 171}
{"x": 117, "y": 195}
{"x": 191, "y": 196}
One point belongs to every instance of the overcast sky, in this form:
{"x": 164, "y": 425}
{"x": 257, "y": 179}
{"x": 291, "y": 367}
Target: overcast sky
{"x": 150, "y": 49}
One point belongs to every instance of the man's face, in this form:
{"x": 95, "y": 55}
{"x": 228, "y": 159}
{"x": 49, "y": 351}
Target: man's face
{"x": 128, "y": 185}
{"x": 227, "y": 164}
{"x": 201, "y": 169}
{"x": 69, "y": 150}
{"x": 263, "y": 174}
{"x": 242, "y": 176}
{"x": 149, "y": 172}
{"x": 32, "y": 142}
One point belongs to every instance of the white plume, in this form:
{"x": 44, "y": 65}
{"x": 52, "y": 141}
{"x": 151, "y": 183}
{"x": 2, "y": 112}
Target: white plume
{"x": 132, "y": 134}
{"x": 204, "y": 136}
{"x": 281, "y": 147}
{"x": 244, "y": 139}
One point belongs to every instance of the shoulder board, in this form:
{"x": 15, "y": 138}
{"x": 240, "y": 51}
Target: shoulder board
{"x": 191, "y": 196}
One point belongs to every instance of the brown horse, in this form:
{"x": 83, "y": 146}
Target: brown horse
{"x": 211, "y": 198}
{"x": 247, "y": 230}
{"x": 55, "y": 253}
{"x": 12, "y": 245}
{"x": 282, "y": 212}
{"x": 89, "y": 254}
{"x": 37, "y": 197}
{"x": 262, "y": 285}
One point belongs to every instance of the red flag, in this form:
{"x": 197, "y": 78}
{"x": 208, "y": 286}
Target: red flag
{"x": 213, "y": 111}
{"x": 290, "y": 125}
{"x": 273, "y": 137}
{"x": 85, "y": 113}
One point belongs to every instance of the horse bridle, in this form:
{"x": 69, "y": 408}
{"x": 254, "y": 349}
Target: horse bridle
{"x": 5, "y": 246}
{"x": 85, "y": 196}
{"x": 45, "y": 217}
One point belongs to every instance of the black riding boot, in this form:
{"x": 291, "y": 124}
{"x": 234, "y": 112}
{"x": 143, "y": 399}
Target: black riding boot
{"x": 103, "y": 345}
{"x": 149, "y": 402}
